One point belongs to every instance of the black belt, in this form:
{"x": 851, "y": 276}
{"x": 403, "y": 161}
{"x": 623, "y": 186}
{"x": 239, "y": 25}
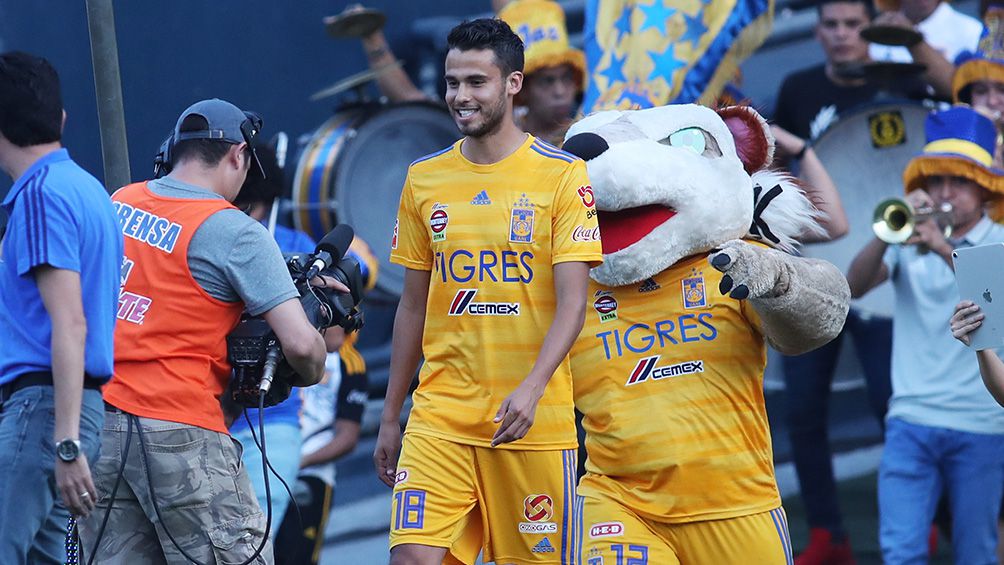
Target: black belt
{"x": 41, "y": 378}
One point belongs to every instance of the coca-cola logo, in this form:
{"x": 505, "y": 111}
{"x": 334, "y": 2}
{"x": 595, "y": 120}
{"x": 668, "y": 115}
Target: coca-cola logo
{"x": 582, "y": 233}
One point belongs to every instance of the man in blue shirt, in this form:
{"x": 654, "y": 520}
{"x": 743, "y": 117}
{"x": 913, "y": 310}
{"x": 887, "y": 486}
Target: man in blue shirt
{"x": 944, "y": 431}
{"x": 63, "y": 243}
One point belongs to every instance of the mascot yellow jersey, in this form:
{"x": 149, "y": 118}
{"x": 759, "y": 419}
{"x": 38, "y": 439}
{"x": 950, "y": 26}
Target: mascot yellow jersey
{"x": 490, "y": 235}
{"x": 706, "y": 454}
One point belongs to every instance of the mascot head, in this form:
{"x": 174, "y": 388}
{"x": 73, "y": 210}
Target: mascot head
{"x": 678, "y": 180}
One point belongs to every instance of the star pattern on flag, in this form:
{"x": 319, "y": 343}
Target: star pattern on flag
{"x": 623, "y": 23}
{"x": 666, "y": 64}
{"x": 656, "y": 15}
{"x": 695, "y": 29}
{"x": 615, "y": 70}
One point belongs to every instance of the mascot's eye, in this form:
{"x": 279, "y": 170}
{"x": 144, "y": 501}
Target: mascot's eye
{"x": 688, "y": 138}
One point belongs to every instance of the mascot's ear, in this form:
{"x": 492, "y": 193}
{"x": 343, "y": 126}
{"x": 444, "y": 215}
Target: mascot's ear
{"x": 754, "y": 142}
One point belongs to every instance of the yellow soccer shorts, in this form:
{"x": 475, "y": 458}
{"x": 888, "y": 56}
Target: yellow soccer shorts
{"x": 612, "y": 534}
{"x": 516, "y": 505}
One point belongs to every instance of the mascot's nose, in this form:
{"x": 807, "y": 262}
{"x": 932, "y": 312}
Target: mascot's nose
{"x": 586, "y": 145}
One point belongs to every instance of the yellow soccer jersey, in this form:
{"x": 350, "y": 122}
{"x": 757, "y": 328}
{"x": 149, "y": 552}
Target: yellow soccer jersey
{"x": 669, "y": 375}
{"x": 491, "y": 234}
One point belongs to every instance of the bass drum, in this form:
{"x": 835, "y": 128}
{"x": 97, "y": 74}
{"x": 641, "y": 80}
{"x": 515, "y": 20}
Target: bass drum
{"x": 865, "y": 153}
{"x": 352, "y": 168}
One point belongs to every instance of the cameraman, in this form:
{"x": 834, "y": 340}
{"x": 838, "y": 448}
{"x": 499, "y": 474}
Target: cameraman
{"x": 193, "y": 264}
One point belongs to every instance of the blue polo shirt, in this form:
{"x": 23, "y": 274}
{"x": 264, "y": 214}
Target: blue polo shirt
{"x": 287, "y": 411}
{"x": 60, "y": 216}
{"x": 935, "y": 379}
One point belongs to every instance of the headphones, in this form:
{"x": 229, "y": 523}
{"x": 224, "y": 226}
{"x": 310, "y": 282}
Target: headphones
{"x": 163, "y": 161}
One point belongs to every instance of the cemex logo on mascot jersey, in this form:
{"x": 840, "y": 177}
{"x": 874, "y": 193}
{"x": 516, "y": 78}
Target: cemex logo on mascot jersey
{"x": 538, "y": 509}
{"x": 647, "y": 367}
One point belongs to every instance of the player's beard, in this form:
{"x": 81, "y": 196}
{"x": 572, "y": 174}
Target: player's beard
{"x": 491, "y": 119}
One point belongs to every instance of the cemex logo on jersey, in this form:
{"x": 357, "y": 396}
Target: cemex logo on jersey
{"x": 543, "y": 546}
{"x": 538, "y": 509}
{"x": 463, "y": 303}
{"x": 606, "y": 529}
{"x": 647, "y": 368}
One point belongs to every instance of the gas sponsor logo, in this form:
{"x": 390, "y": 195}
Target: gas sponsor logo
{"x": 606, "y": 530}
{"x": 582, "y": 233}
{"x": 538, "y": 509}
{"x": 463, "y": 303}
{"x": 586, "y": 194}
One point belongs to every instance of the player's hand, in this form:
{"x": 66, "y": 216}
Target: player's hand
{"x": 388, "y": 448}
{"x": 965, "y": 320}
{"x": 515, "y": 416}
{"x": 76, "y": 489}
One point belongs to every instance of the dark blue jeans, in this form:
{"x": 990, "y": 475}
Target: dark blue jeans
{"x": 807, "y": 380}
{"x": 32, "y": 517}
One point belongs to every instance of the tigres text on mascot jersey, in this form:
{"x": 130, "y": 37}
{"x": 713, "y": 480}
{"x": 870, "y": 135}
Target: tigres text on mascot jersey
{"x": 674, "y": 335}
{"x": 490, "y": 242}
{"x": 696, "y": 281}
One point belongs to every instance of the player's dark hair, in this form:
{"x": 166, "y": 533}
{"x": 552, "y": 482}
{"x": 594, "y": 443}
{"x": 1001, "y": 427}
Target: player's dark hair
{"x": 31, "y": 106}
{"x": 489, "y": 33}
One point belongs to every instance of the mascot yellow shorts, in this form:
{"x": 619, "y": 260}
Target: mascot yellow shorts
{"x": 517, "y": 504}
{"x": 614, "y": 535}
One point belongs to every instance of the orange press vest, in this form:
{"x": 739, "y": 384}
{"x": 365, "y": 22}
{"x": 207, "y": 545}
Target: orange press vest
{"x": 170, "y": 336}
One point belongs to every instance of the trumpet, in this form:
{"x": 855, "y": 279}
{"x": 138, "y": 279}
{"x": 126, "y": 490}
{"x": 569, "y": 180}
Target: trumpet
{"x": 894, "y": 220}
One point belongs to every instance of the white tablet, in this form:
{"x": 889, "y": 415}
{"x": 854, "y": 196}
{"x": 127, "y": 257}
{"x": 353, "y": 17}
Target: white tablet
{"x": 979, "y": 273}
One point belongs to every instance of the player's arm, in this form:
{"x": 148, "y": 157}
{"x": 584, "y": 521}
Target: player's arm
{"x": 61, "y": 296}
{"x": 515, "y": 416}
{"x": 405, "y": 353}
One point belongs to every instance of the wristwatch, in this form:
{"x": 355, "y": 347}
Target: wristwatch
{"x": 68, "y": 450}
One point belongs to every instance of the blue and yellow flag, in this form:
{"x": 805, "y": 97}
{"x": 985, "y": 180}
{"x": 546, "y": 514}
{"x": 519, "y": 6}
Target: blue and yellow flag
{"x": 645, "y": 53}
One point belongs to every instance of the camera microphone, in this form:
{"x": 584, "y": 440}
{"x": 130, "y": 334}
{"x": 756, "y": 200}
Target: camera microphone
{"x": 330, "y": 249}
{"x": 272, "y": 358}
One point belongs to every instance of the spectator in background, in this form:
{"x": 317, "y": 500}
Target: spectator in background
{"x": 809, "y": 102}
{"x": 979, "y": 78}
{"x": 944, "y": 34}
{"x": 59, "y": 294}
{"x": 554, "y": 76}
{"x": 944, "y": 432}
{"x": 257, "y": 197}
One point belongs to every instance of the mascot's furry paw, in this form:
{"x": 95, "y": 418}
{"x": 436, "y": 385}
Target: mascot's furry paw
{"x": 749, "y": 271}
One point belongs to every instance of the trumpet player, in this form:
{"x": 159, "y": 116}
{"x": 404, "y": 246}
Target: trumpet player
{"x": 944, "y": 432}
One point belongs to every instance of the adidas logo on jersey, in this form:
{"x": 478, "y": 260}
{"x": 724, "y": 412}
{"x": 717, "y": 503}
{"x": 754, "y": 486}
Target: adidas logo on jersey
{"x": 649, "y": 285}
{"x": 543, "y": 546}
{"x": 481, "y": 199}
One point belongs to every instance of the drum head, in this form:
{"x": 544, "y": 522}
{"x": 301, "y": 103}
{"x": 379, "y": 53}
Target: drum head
{"x": 865, "y": 153}
{"x": 359, "y": 163}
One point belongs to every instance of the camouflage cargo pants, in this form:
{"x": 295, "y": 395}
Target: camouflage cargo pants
{"x": 205, "y": 498}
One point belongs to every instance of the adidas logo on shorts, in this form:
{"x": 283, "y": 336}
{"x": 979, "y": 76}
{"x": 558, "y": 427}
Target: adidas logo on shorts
{"x": 481, "y": 199}
{"x": 543, "y": 546}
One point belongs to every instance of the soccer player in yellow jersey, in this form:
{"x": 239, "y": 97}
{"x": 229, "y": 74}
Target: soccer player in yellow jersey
{"x": 497, "y": 233}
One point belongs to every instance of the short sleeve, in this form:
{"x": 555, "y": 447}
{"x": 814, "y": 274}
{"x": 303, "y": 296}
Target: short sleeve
{"x": 353, "y": 392}
{"x": 50, "y": 231}
{"x": 575, "y": 234}
{"x": 410, "y": 245}
{"x": 257, "y": 272}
